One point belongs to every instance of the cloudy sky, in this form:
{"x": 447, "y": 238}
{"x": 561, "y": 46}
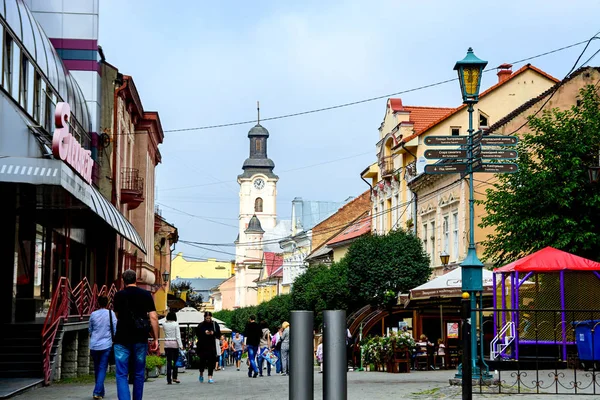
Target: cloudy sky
{"x": 202, "y": 63}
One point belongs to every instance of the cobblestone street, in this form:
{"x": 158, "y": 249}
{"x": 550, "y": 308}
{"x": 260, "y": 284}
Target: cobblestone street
{"x": 232, "y": 384}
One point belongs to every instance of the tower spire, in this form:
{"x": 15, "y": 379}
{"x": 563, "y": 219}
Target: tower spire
{"x": 258, "y": 112}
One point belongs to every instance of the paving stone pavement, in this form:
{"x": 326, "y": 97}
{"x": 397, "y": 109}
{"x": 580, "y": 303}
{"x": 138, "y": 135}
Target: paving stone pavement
{"x": 232, "y": 384}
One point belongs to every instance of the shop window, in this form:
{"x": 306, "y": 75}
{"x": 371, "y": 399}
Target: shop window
{"x": 14, "y": 70}
{"x": 7, "y": 64}
{"x": 37, "y": 96}
{"x": 258, "y": 205}
{"x": 30, "y": 87}
{"x": 2, "y": 51}
{"x": 23, "y": 82}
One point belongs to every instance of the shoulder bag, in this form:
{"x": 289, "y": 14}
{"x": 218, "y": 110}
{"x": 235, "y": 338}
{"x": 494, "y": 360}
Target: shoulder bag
{"x": 217, "y": 341}
{"x": 111, "y": 354}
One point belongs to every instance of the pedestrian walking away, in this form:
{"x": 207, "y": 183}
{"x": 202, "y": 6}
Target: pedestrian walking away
{"x": 276, "y": 346}
{"x": 208, "y": 333}
{"x": 172, "y": 345}
{"x": 136, "y": 320}
{"x": 264, "y": 346}
{"x": 102, "y": 328}
{"x": 320, "y": 354}
{"x": 252, "y": 334}
{"x": 285, "y": 349}
{"x": 238, "y": 348}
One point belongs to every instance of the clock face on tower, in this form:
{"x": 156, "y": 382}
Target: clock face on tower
{"x": 259, "y": 183}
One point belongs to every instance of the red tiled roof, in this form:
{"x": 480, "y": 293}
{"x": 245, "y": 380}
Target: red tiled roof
{"x": 420, "y": 117}
{"x": 489, "y": 90}
{"x": 272, "y": 262}
{"x": 354, "y": 230}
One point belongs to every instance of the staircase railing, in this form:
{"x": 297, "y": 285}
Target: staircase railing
{"x": 66, "y": 302}
{"x": 502, "y": 340}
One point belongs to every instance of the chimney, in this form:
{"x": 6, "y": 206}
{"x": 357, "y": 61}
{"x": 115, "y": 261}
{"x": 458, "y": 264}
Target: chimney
{"x": 504, "y": 72}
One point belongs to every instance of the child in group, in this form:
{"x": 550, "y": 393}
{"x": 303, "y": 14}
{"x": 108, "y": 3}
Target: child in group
{"x": 320, "y": 354}
{"x": 441, "y": 352}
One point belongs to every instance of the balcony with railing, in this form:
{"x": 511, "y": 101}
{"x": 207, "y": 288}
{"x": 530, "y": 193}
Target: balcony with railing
{"x": 132, "y": 187}
{"x": 386, "y": 166}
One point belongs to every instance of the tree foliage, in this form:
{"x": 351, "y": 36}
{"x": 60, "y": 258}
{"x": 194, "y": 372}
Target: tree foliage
{"x": 381, "y": 266}
{"x": 550, "y": 201}
{"x": 273, "y": 312}
{"x": 322, "y": 288}
{"x": 193, "y": 298}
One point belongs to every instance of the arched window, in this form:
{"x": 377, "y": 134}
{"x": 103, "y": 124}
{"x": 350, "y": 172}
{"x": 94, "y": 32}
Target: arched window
{"x": 258, "y": 205}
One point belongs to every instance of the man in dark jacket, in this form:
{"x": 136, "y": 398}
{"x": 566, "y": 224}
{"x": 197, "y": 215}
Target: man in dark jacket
{"x": 136, "y": 320}
{"x": 252, "y": 335}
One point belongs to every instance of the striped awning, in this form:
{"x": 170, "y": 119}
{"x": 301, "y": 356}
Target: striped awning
{"x": 39, "y": 171}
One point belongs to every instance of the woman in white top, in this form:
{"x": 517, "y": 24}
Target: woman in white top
{"x": 172, "y": 345}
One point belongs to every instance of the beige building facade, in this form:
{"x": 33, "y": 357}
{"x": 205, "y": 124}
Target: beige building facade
{"x": 435, "y": 207}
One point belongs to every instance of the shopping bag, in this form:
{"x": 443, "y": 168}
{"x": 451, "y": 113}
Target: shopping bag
{"x": 181, "y": 360}
{"x": 269, "y": 356}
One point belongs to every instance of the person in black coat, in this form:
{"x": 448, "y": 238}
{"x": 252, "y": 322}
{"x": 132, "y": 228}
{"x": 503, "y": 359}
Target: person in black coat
{"x": 207, "y": 331}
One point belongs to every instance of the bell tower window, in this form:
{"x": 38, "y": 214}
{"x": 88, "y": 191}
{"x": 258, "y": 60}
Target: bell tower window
{"x": 258, "y": 145}
{"x": 258, "y": 205}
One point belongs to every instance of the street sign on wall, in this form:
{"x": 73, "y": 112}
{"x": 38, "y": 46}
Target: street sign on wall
{"x": 445, "y": 168}
{"x": 499, "y": 168}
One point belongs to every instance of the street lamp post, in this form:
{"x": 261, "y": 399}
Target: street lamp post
{"x": 469, "y": 71}
{"x": 444, "y": 258}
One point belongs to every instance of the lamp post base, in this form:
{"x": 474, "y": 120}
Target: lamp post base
{"x": 478, "y": 373}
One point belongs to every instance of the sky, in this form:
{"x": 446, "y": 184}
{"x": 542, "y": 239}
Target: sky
{"x": 201, "y": 63}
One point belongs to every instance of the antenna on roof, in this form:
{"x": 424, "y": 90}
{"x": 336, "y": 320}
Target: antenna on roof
{"x": 258, "y": 112}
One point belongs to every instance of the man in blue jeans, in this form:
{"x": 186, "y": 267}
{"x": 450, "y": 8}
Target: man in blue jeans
{"x": 252, "y": 335}
{"x": 136, "y": 319}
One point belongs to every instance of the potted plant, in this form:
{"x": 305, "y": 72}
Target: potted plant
{"x": 153, "y": 364}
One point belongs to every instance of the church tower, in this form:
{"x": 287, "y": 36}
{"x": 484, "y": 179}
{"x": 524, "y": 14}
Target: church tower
{"x": 258, "y": 196}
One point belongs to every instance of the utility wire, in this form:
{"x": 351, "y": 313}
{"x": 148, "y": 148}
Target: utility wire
{"x": 353, "y": 103}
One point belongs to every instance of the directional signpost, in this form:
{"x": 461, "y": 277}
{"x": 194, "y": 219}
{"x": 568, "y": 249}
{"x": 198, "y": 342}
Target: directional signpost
{"x": 499, "y": 168}
{"x": 445, "y": 168}
{"x": 499, "y": 141}
{"x": 471, "y": 161}
{"x": 435, "y": 154}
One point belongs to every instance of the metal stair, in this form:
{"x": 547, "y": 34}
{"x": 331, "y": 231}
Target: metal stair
{"x": 502, "y": 341}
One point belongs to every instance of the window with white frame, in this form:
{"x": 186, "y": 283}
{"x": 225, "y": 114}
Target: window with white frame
{"x": 446, "y": 233}
{"x": 425, "y": 238}
{"x": 432, "y": 228}
{"x": 455, "y": 236}
{"x": 374, "y": 222}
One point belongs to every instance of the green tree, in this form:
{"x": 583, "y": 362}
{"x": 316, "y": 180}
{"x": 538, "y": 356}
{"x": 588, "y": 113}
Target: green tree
{"x": 225, "y": 316}
{"x": 549, "y": 202}
{"x": 381, "y": 266}
{"x": 322, "y": 288}
{"x": 193, "y": 298}
{"x": 275, "y": 311}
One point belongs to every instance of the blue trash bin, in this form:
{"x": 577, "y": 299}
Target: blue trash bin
{"x": 588, "y": 345}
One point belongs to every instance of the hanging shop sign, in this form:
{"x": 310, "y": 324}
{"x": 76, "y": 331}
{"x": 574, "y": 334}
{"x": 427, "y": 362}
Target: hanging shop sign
{"x": 67, "y": 148}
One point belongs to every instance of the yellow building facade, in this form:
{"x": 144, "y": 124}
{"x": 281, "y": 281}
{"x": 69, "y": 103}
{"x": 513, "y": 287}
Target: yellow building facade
{"x": 435, "y": 207}
{"x": 209, "y": 268}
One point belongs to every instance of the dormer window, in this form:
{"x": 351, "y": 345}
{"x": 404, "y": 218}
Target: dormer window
{"x": 483, "y": 120}
{"x": 455, "y": 130}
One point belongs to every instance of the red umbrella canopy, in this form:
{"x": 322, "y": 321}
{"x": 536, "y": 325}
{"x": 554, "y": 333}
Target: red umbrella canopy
{"x": 550, "y": 259}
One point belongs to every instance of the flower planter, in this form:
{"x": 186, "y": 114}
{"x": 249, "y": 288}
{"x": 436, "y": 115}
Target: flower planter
{"x": 163, "y": 370}
{"x": 153, "y": 372}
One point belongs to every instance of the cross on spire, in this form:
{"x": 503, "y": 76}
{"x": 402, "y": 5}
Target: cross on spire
{"x": 258, "y": 111}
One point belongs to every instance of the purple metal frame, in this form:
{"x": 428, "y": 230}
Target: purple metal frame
{"x": 515, "y": 284}
{"x": 563, "y": 315}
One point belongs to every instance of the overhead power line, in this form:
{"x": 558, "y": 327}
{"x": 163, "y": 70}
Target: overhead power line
{"x": 353, "y": 103}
